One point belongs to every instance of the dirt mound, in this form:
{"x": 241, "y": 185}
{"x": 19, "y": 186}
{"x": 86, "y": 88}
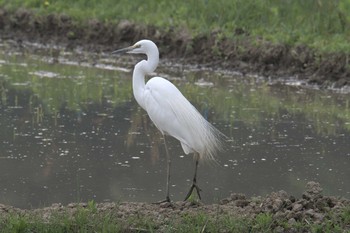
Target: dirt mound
{"x": 245, "y": 55}
{"x": 313, "y": 205}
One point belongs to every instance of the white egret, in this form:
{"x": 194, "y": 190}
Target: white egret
{"x": 171, "y": 112}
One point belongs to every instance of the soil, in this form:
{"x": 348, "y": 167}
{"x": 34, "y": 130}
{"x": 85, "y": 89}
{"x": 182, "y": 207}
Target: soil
{"x": 247, "y": 55}
{"x": 266, "y": 59}
{"x": 311, "y": 208}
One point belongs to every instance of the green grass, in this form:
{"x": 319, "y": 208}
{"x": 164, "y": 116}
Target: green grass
{"x": 84, "y": 220}
{"x": 320, "y": 24}
{"x": 88, "y": 219}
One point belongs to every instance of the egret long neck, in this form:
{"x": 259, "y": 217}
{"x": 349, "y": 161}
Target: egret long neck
{"x": 141, "y": 70}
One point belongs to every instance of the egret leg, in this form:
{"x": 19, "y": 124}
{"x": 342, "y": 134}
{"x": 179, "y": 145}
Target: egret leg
{"x": 167, "y": 198}
{"x": 194, "y": 183}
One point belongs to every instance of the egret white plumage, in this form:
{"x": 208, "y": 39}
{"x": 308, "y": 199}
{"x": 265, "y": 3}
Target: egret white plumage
{"x": 171, "y": 112}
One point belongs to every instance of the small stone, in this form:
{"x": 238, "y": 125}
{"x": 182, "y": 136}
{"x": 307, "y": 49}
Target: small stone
{"x": 166, "y": 204}
{"x": 279, "y": 215}
{"x": 56, "y": 205}
{"x": 295, "y": 215}
{"x": 279, "y": 229}
{"x": 288, "y": 204}
{"x": 277, "y": 204}
{"x": 313, "y": 187}
{"x": 309, "y": 205}
{"x": 187, "y": 204}
{"x": 237, "y": 196}
{"x": 282, "y": 194}
{"x": 292, "y": 198}
{"x": 225, "y": 201}
{"x": 71, "y": 205}
{"x": 292, "y": 221}
{"x": 84, "y": 205}
{"x": 320, "y": 204}
{"x": 331, "y": 201}
{"x": 310, "y": 212}
{"x": 313, "y": 191}
{"x": 318, "y": 217}
{"x": 242, "y": 203}
{"x": 306, "y": 196}
{"x": 297, "y": 207}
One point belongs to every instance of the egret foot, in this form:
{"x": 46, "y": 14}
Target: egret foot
{"x": 194, "y": 186}
{"x": 166, "y": 200}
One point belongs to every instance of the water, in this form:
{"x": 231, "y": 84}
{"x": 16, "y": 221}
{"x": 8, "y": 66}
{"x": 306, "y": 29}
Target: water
{"x": 70, "y": 130}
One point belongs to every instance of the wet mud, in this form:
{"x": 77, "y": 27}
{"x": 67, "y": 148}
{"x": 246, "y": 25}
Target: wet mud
{"x": 240, "y": 53}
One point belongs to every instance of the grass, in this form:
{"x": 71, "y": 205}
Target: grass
{"x": 320, "y": 24}
{"x": 84, "y": 220}
{"x": 88, "y": 219}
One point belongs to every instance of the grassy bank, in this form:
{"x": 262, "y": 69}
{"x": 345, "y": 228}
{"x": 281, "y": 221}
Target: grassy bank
{"x": 272, "y": 38}
{"x": 277, "y": 212}
{"x": 320, "y": 24}
{"x": 89, "y": 218}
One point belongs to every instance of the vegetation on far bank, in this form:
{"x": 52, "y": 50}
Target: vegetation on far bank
{"x": 305, "y": 39}
{"x": 320, "y": 24}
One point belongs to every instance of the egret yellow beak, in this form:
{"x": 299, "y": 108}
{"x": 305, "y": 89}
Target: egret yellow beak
{"x": 124, "y": 50}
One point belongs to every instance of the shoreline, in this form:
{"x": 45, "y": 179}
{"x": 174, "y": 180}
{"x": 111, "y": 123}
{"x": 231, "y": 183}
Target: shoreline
{"x": 284, "y": 213}
{"x": 247, "y": 55}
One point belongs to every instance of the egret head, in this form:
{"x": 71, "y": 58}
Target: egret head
{"x": 142, "y": 46}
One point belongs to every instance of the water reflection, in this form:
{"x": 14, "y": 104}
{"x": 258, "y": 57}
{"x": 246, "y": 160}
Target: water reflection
{"x": 72, "y": 132}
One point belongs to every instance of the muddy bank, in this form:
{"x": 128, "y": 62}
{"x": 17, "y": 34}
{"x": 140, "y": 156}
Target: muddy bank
{"x": 244, "y": 54}
{"x": 288, "y": 213}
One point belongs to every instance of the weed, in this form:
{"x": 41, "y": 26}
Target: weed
{"x": 263, "y": 222}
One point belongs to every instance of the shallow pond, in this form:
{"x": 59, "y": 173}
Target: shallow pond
{"x": 70, "y": 130}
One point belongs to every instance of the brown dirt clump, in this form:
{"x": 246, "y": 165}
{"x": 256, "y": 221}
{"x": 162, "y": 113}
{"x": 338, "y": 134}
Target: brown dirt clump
{"x": 244, "y": 55}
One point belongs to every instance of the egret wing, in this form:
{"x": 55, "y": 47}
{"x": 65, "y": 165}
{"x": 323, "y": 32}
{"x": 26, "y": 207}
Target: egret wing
{"x": 173, "y": 114}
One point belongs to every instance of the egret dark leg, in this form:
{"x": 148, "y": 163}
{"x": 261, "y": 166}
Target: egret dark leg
{"x": 167, "y": 198}
{"x": 194, "y": 183}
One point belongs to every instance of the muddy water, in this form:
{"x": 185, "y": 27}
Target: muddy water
{"x": 71, "y": 131}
